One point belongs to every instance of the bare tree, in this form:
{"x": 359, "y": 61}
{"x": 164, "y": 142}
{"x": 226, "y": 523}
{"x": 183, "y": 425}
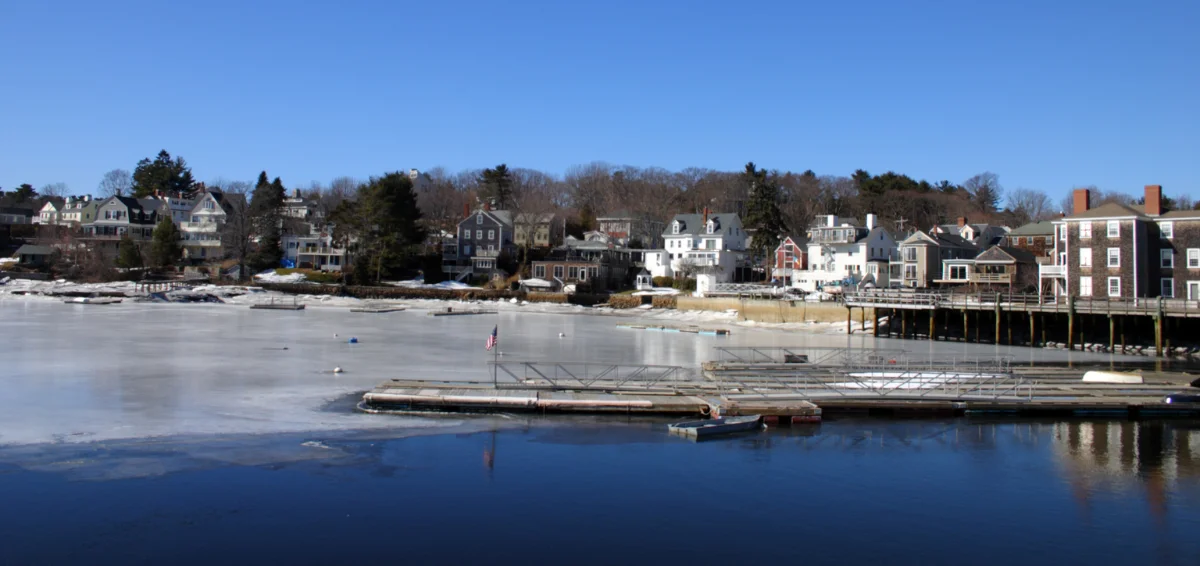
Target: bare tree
{"x": 115, "y": 183}
{"x": 985, "y": 191}
{"x": 238, "y": 227}
{"x": 55, "y": 190}
{"x": 1030, "y": 205}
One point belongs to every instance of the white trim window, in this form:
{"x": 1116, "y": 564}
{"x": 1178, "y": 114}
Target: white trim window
{"x": 491, "y": 234}
{"x": 1168, "y": 287}
{"x": 1193, "y": 256}
{"x": 958, "y": 272}
{"x": 539, "y": 271}
{"x": 1114, "y": 286}
{"x": 1085, "y": 230}
{"x": 675, "y": 227}
{"x": 1114, "y": 257}
{"x": 479, "y": 234}
{"x": 1166, "y": 230}
{"x": 1114, "y": 229}
{"x": 466, "y": 234}
{"x": 1166, "y": 258}
{"x": 1085, "y": 257}
{"x": 1085, "y": 286}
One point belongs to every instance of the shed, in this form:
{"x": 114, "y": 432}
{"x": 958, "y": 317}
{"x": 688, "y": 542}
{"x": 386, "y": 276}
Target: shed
{"x": 34, "y": 255}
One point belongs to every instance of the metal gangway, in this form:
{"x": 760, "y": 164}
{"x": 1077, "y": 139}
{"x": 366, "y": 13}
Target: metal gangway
{"x": 585, "y": 376}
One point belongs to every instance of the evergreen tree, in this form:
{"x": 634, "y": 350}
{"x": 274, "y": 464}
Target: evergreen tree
{"x": 762, "y": 214}
{"x": 128, "y": 254}
{"x": 497, "y": 186}
{"x": 163, "y": 174}
{"x": 24, "y": 192}
{"x": 164, "y": 248}
{"x": 383, "y": 224}
{"x": 266, "y": 220}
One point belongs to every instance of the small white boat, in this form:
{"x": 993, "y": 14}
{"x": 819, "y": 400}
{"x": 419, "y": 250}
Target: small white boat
{"x": 92, "y": 300}
{"x": 1112, "y": 377}
{"x": 716, "y": 427}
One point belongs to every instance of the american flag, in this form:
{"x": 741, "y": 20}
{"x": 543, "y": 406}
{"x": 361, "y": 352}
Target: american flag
{"x": 492, "y": 340}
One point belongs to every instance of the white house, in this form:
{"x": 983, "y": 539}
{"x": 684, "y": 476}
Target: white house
{"x": 200, "y": 231}
{"x": 79, "y": 210}
{"x": 316, "y": 250}
{"x": 48, "y": 214}
{"x": 711, "y": 242}
{"x": 843, "y": 252}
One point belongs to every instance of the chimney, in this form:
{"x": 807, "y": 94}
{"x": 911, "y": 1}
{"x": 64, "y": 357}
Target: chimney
{"x": 962, "y": 221}
{"x": 1154, "y": 200}
{"x": 1081, "y": 198}
{"x": 706, "y": 216}
{"x": 466, "y": 210}
{"x": 870, "y": 222}
{"x": 830, "y": 220}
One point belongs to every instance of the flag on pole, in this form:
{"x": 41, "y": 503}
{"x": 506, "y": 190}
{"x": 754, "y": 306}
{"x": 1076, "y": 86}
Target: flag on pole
{"x": 492, "y": 340}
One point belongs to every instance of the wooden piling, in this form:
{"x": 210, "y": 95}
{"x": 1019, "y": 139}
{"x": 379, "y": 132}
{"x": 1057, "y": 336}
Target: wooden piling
{"x": 862, "y": 317}
{"x": 875, "y": 327}
{"x": 996, "y": 340}
{"x": 932, "y": 324}
{"x": 1112, "y": 333}
{"x": 1071, "y": 322}
{"x": 966, "y": 326}
{"x": 904, "y": 323}
{"x": 1008, "y": 315}
{"x": 1032, "y": 333}
{"x": 849, "y": 320}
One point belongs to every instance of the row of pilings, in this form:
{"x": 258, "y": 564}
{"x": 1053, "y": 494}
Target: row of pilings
{"x": 1027, "y": 328}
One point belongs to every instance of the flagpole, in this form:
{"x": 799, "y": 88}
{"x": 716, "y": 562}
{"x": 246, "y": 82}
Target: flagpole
{"x": 496, "y": 353}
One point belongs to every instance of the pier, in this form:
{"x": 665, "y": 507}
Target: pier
{"x": 789, "y": 385}
{"x": 1022, "y": 319}
{"x": 279, "y": 305}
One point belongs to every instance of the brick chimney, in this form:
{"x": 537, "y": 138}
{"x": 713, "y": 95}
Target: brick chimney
{"x": 1154, "y": 200}
{"x": 1081, "y": 197}
{"x": 962, "y": 221}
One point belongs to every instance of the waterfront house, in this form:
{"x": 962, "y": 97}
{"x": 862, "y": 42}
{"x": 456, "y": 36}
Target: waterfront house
{"x": 34, "y": 256}
{"x": 117, "y": 217}
{"x": 998, "y": 268}
{"x": 178, "y": 205}
{"x": 602, "y": 265}
{"x": 48, "y": 215}
{"x": 1036, "y": 238}
{"x": 1107, "y": 251}
{"x": 843, "y": 252}
{"x": 482, "y": 237}
{"x": 200, "y": 232}
{"x": 533, "y": 230}
{"x": 315, "y": 250}
{"x": 710, "y": 242}
{"x": 935, "y": 257}
{"x": 633, "y": 230}
{"x": 78, "y": 211}
{"x": 790, "y": 258}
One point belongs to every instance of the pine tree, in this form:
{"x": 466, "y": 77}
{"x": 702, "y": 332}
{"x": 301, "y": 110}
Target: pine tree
{"x": 497, "y": 186}
{"x": 163, "y": 174}
{"x": 265, "y": 205}
{"x": 763, "y": 215}
{"x": 164, "y": 248}
{"x": 128, "y": 254}
{"x": 383, "y": 224}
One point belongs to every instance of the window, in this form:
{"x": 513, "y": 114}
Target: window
{"x": 1061, "y": 231}
{"x": 1193, "y": 255}
{"x": 558, "y": 272}
{"x": 491, "y": 234}
{"x": 1049, "y": 241}
{"x": 1166, "y": 258}
{"x": 583, "y": 273}
{"x": 1168, "y": 287}
{"x": 1114, "y": 257}
{"x": 107, "y": 214}
{"x": 539, "y": 271}
{"x": 1085, "y": 286}
{"x": 208, "y": 204}
{"x": 195, "y": 219}
{"x": 675, "y": 228}
{"x": 479, "y": 219}
{"x": 910, "y": 272}
{"x": 479, "y": 234}
{"x": 910, "y": 254}
{"x": 1114, "y": 229}
{"x": 1114, "y": 286}
{"x": 467, "y": 249}
{"x": 1085, "y": 230}
{"x": 958, "y": 272}
{"x": 466, "y": 234}
{"x": 1085, "y": 257}
{"x": 1166, "y": 230}
{"x": 573, "y": 272}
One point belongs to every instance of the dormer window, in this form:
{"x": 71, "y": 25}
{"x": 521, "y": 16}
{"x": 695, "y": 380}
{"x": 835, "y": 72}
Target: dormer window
{"x": 479, "y": 218}
{"x": 676, "y": 226}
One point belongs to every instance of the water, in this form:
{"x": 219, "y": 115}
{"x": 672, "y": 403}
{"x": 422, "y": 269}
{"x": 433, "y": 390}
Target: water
{"x": 150, "y": 434}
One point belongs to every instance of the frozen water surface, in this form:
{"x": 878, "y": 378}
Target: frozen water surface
{"x": 78, "y": 373}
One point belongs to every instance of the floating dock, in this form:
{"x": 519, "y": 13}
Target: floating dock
{"x": 449, "y": 312}
{"x": 293, "y": 306}
{"x": 685, "y": 329}
{"x": 379, "y": 309}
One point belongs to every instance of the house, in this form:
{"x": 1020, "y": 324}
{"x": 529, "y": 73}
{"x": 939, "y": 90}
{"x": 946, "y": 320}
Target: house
{"x": 48, "y": 215}
{"x": 315, "y": 250}
{"x": 981, "y": 235}
{"x": 841, "y": 251}
{"x": 929, "y": 258}
{"x": 34, "y": 256}
{"x": 201, "y": 230}
{"x": 117, "y": 217}
{"x": 790, "y": 257}
{"x": 178, "y": 205}
{"x": 714, "y": 243}
{"x": 1036, "y": 238}
{"x": 482, "y": 237}
{"x": 603, "y": 266}
{"x": 296, "y": 206}
{"x": 16, "y": 215}
{"x": 78, "y": 211}
{"x": 633, "y": 230}
{"x": 533, "y": 230}
{"x": 1004, "y": 268}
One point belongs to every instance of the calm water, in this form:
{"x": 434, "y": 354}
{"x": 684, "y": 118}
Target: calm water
{"x": 577, "y": 491}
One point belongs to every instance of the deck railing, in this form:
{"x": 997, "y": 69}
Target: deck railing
{"x": 890, "y": 298}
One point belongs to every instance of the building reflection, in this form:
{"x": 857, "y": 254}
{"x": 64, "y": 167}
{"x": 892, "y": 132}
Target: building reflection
{"x": 1123, "y": 456}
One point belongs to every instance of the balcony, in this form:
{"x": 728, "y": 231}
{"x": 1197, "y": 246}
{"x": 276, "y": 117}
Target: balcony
{"x": 199, "y": 226}
{"x": 319, "y": 250}
{"x": 487, "y": 253}
{"x": 1004, "y": 278}
{"x": 1053, "y": 271}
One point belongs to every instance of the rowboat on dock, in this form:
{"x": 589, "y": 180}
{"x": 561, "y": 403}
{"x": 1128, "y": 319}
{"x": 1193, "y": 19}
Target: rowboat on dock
{"x": 717, "y": 427}
{"x": 92, "y": 301}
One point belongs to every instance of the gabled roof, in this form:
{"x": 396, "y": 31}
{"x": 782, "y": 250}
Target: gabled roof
{"x": 1109, "y": 210}
{"x": 938, "y": 239}
{"x": 797, "y": 239}
{"x": 1043, "y": 228}
{"x": 1178, "y": 214}
{"x": 872, "y": 233}
{"x": 503, "y": 217}
{"x": 29, "y": 249}
{"x": 53, "y": 206}
{"x": 1006, "y": 254}
{"x": 693, "y": 224}
{"x": 531, "y": 218}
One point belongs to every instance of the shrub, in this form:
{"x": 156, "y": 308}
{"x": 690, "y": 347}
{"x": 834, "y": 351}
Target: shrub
{"x": 664, "y": 302}
{"x": 624, "y": 301}
{"x": 685, "y": 284}
{"x": 664, "y": 282}
{"x": 537, "y": 297}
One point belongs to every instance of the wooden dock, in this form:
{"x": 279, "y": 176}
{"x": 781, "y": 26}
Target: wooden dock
{"x": 449, "y": 312}
{"x": 684, "y": 329}
{"x": 380, "y": 309}
{"x": 279, "y": 306}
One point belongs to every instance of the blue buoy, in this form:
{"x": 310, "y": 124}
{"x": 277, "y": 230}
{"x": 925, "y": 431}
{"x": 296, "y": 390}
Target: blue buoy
{"x": 353, "y": 340}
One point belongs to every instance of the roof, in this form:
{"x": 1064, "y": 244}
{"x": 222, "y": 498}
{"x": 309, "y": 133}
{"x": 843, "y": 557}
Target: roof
{"x": 29, "y": 249}
{"x": 1006, "y": 253}
{"x": 940, "y": 239}
{"x": 693, "y": 224}
{"x": 874, "y": 232}
{"x": 798, "y": 239}
{"x": 1180, "y": 214}
{"x": 842, "y": 223}
{"x": 1109, "y": 210}
{"x": 1043, "y": 228}
{"x": 529, "y": 217}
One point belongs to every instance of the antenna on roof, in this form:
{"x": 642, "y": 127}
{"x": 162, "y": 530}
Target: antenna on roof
{"x": 901, "y": 222}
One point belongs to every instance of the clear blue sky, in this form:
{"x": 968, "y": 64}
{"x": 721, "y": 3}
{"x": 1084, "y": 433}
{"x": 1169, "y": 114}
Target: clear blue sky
{"x": 1048, "y": 95}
